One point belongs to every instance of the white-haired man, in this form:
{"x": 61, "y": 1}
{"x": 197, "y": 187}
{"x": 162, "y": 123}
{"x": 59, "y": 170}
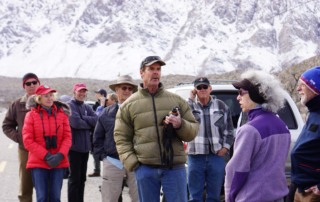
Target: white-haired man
{"x": 305, "y": 155}
{"x": 215, "y": 137}
{"x": 105, "y": 147}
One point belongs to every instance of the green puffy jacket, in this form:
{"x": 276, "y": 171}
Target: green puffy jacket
{"x": 138, "y": 129}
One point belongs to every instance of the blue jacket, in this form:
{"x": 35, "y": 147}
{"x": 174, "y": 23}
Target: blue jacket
{"x": 103, "y": 141}
{"x": 305, "y": 155}
{"x": 82, "y": 122}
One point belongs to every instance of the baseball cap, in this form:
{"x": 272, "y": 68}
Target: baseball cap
{"x": 201, "y": 81}
{"x": 151, "y": 60}
{"x": 44, "y": 89}
{"x": 101, "y": 91}
{"x": 79, "y": 86}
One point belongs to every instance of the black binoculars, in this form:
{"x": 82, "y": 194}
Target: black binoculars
{"x": 51, "y": 142}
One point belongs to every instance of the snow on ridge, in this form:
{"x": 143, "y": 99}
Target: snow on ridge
{"x": 100, "y": 39}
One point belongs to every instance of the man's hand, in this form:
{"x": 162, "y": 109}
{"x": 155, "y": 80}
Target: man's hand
{"x": 222, "y": 151}
{"x": 175, "y": 120}
{"x": 193, "y": 94}
{"x": 313, "y": 189}
{"x": 102, "y": 101}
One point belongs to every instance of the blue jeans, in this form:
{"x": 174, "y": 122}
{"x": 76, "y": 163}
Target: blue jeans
{"x": 205, "y": 168}
{"x": 149, "y": 181}
{"x": 48, "y": 183}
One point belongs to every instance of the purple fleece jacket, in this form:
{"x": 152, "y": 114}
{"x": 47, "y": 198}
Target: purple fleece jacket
{"x": 256, "y": 170}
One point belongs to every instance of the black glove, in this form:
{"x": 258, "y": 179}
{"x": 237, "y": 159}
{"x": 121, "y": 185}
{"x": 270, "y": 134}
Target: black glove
{"x": 47, "y": 156}
{"x": 54, "y": 160}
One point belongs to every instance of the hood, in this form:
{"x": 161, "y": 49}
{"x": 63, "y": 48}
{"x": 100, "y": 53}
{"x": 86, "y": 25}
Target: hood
{"x": 31, "y": 103}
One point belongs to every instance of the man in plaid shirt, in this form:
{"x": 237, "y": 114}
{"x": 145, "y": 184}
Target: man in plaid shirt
{"x": 215, "y": 137}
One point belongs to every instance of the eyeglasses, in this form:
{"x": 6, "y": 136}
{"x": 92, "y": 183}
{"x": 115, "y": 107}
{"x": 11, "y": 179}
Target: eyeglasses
{"x": 32, "y": 82}
{"x": 114, "y": 98}
{"x": 124, "y": 88}
{"x": 242, "y": 92}
{"x": 149, "y": 59}
{"x": 200, "y": 87}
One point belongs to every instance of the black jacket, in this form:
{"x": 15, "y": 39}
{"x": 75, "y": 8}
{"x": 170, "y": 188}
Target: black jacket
{"x": 103, "y": 141}
{"x": 97, "y": 104}
{"x": 82, "y": 121}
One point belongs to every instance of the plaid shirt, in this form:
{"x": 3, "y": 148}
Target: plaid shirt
{"x": 219, "y": 132}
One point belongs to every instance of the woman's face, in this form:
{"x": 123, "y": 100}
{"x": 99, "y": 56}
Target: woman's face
{"x": 110, "y": 100}
{"x": 245, "y": 102}
{"x": 47, "y": 100}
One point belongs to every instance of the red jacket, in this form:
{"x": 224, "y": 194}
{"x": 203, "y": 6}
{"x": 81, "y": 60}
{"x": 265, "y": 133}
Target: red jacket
{"x": 33, "y": 137}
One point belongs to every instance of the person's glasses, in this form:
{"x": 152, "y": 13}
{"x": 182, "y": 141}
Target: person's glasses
{"x": 242, "y": 92}
{"x": 32, "y": 82}
{"x": 113, "y": 96}
{"x": 124, "y": 88}
{"x": 200, "y": 87}
{"x": 149, "y": 59}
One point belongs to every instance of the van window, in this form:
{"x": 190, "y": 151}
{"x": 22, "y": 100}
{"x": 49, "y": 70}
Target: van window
{"x": 287, "y": 116}
{"x": 230, "y": 98}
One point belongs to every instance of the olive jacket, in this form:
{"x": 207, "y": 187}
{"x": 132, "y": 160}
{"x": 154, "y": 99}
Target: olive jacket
{"x": 138, "y": 129}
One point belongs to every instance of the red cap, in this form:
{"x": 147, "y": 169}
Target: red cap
{"x": 79, "y": 86}
{"x": 44, "y": 89}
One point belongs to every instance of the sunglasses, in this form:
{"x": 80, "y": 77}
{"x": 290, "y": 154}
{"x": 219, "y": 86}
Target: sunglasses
{"x": 200, "y": 87}
{"x": 32, "y": 82}
{"x": 124, "y": 88}
{"x": 242, "y": 92}
{"x": 149, "y": 59}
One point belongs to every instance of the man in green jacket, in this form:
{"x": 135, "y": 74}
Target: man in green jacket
{"x": 139, "y": 136}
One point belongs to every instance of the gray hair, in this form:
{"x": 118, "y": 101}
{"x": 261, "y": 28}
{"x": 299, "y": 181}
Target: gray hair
{"x": 269, "y": 87}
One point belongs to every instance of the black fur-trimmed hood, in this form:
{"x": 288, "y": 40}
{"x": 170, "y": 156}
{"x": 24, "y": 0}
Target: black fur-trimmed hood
{"x": 31, "y": 103}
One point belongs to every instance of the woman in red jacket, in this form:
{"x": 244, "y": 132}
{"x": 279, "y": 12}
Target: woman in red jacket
{"x": 47, "y": 136}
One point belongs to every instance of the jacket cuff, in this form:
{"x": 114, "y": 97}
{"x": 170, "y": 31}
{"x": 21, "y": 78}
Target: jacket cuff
{"x": 227, "y": 146}
{"x": 136, "y": 166}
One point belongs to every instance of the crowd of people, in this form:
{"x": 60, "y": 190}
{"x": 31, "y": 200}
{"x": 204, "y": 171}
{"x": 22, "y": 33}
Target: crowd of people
{"x": 138, "y": 132}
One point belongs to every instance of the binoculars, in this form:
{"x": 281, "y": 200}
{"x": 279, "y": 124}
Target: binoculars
{"x": 51, "y": 142}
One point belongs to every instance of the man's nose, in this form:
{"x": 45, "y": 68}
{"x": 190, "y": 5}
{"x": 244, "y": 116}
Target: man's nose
{"x": 298, "y": 88}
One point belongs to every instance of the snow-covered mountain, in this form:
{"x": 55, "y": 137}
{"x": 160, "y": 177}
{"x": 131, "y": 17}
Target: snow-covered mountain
{"x": 102, "y": 38}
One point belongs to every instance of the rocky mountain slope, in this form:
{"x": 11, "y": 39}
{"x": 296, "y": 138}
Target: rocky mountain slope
{"x": 100, "y": 39}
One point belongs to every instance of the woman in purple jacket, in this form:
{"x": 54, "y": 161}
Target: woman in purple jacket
{"x": 256, "y": 171}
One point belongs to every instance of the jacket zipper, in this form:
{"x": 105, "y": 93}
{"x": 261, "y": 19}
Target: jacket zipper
{"x": 317, "y": 169}
{"x": 49, "y": 135}
{"x": 155, "y": 117}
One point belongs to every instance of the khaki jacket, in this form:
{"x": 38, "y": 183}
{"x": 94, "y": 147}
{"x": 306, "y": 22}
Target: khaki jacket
{"x": 138, "y": 128}
{"x": 15, "y": 118}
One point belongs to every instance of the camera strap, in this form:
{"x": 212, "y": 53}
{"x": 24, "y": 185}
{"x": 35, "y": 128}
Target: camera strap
{"x": 169, "y": 135}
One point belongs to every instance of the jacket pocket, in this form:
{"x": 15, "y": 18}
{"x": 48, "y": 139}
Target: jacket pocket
{"x": 218, "y": 118}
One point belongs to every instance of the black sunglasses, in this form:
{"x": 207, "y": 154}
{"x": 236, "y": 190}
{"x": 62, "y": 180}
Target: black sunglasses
{"x": 149, "y": 59}
{"x": 32, "y": 82}
{"x": 200, "y": 87}
{"x": 124, "y": 88}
